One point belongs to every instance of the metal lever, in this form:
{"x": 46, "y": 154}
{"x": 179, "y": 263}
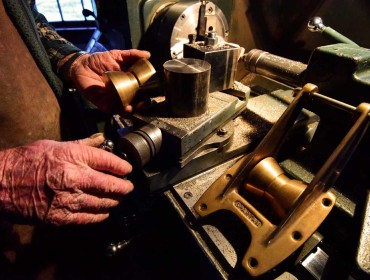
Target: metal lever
{"x": 316, "y": 24}
{"x": 270, "y": 243}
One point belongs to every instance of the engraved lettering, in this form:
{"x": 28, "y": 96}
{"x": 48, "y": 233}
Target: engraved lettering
{"x": 248, "y": 214}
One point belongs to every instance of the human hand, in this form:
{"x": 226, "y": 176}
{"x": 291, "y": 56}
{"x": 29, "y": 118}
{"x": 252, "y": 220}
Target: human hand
{"x": 87, "y": 73}
{"x": 62, "y": 182}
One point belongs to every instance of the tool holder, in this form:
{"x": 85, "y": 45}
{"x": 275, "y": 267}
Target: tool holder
{"x": 302, "y": 207}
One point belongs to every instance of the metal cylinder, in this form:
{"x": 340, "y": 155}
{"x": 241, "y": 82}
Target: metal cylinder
{"x": 140, "y": 146}
{"x": 275, "y": 67}
{"x": 187, "y": 86}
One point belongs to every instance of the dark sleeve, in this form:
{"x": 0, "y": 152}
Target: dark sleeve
{"x": 56, "y": 46}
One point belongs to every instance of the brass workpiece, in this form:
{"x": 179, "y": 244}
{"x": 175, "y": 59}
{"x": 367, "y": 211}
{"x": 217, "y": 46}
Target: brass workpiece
{"x": 126, "y": 84}
{"x": 301, "y": 207}
{"x": 268, "y": 181}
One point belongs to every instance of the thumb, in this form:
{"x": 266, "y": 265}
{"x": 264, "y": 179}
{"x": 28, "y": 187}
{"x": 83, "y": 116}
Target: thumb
{"x": 94, "y": 140}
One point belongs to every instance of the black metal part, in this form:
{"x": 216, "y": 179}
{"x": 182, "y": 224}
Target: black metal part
{"x": 140, "y": 146}
{"x": 187, "y": 86}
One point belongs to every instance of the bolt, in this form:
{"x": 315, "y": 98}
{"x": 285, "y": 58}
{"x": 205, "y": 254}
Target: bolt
{"x": 107, "y": 145}
{"x": 192, "y": 38}
{"x": 222, "y": 131}
{"x": 188, "y": 195}
{"x": 212, "y": 34}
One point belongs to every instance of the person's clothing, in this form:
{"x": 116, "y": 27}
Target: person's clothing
{"x": 44, "y": 44}
{"x": 45, "y": 47}
{"x": 55, "y": 45}
{"x": 31, "y": 96}
{"x": 29, "y": 109}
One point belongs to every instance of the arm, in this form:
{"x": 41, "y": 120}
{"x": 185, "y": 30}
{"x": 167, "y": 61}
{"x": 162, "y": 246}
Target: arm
{"x": 83, "y": 70}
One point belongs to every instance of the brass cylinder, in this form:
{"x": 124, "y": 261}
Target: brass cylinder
{"x": 268, "y": 181}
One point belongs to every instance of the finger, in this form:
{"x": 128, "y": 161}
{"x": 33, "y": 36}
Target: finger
{"x": 94, "y": 140}
{"x": 128, "y": 57}
{"x": 102, "y": 160}
{"x": 101, "y": 184}
{"x": 64, "y": 217}
{"x": 77, "y": 202}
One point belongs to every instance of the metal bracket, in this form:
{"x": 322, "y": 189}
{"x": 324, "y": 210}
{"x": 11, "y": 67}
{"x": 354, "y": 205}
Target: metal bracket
{"x": 270, "y": 243}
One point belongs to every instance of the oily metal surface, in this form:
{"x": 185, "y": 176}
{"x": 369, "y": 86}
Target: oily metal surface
{"x": 223, "y": 58}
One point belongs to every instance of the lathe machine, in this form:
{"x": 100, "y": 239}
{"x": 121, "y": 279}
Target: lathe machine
{"x": 256, "y": 137}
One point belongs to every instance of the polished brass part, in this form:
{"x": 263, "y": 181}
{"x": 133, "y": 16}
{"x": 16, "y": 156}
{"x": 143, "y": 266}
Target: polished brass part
{"x": 330, "y": 171}
{"x": 258, "y": 172}
{"x": 268, "y": 181}
{"x": 142, "y": 70}
{"x": 126, "y": 84}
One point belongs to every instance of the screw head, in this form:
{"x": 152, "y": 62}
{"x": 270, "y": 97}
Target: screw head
{"x": 222, "y": 131}
{"x": 188, "y": 195}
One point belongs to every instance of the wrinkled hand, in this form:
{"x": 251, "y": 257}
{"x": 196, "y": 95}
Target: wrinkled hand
{"x": 87, "y": 75}
{"x": 61, "y": 182}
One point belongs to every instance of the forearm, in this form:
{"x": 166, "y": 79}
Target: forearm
{"x": 55, "y": 45}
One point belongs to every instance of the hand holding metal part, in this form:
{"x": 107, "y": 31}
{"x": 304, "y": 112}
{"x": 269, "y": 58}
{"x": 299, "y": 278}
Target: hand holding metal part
{"x": 126, "y": 84}
{"x": 302, "y": 208}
